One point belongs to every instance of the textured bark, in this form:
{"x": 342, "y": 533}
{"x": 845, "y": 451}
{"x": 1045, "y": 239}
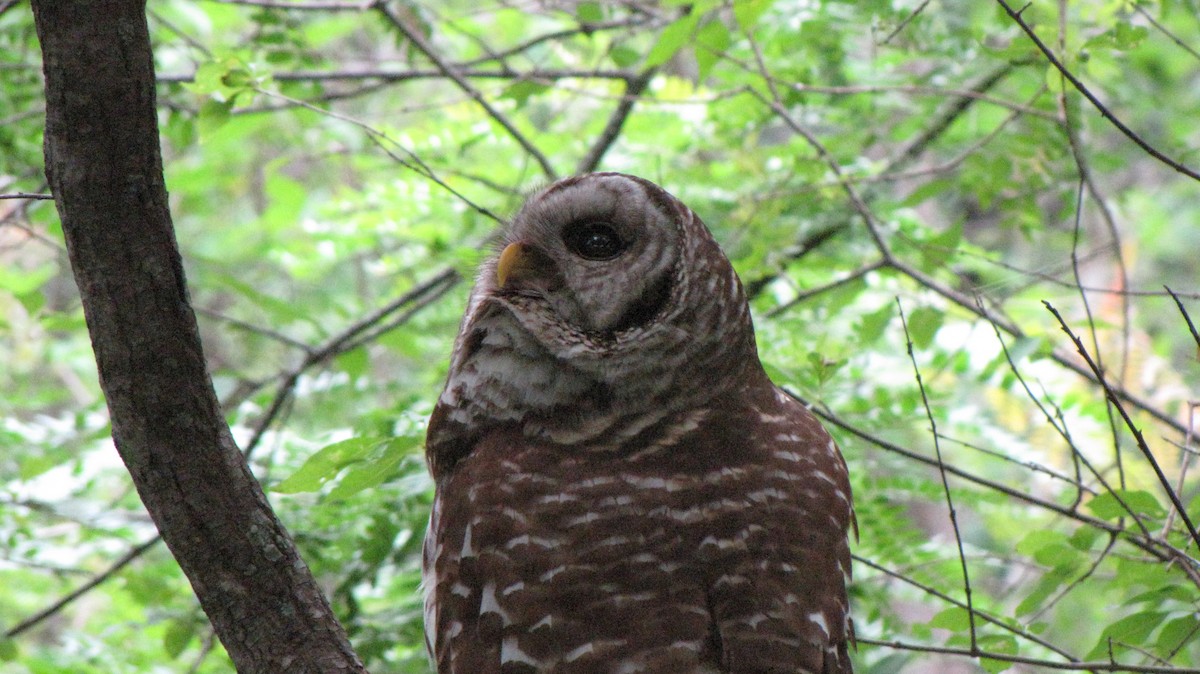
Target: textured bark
{"x": 105, "y": 170}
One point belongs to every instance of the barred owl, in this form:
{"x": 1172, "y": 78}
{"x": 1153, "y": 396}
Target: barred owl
{"x": 620, "y": 487}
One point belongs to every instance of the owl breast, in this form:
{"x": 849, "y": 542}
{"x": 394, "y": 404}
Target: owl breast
{"x": 673, "y": 558}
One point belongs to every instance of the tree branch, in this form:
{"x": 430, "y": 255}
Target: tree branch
{"x": 104, "y": 167}
{"x": 633, "y": 90}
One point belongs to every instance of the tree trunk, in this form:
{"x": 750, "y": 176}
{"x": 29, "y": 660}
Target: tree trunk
{"x": 105, "y": 170}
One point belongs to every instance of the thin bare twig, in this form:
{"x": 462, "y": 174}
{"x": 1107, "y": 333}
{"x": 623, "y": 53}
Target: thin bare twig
{"x": 937, "y": 450}
{"x": 1095, "y": 666}
{"x": 811, "y": 241}
{"x": 1185, "y": 463}
{"x": 452, "y": 73}
{"x": 953, "y": 111}
{"x": 535, "y": 75}
{"x": 1137, "y": 432}
{"x": 1163, "y": 29}
{"x": 78, "y": 592}
{"x": 1183, "y": 310}
{"x": 585, "y": 29}
{"x": 1050, "y": 278}
{"x": 1053, "y": 601}
{"x": 812, "y": 292}
{"x": 1013, "y": 329}
{"x": 1091, "y": 322}
{"x": 934, "y": 592}
{"x": 1059, "y": 424}
{"x": 252, "y": 328}
{"x": 903, "y": 24}
{"x": 386, "y": 143}
{"x": 1032, "y": 466}
{"x": 1159, "y": 549}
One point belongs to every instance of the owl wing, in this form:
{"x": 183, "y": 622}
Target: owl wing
{"x": 783, "y": 606}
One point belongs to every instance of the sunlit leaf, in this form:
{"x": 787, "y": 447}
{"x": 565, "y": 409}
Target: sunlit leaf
{"x": 1108, "y": 505}
{"x": 672, "y": 39}
{"x": 923, "y": 325}
{"x": 711, "y": 42}
{"x": 1130, "y": 630}
{"x": 326, "y": 463}
{"x": 747, "y": 12}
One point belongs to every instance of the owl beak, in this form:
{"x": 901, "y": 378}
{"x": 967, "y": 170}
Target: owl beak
{"x": 517, "y": 262}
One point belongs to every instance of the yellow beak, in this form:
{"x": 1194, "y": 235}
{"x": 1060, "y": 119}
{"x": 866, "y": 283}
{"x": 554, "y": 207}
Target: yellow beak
{"x": 515, "y": 263}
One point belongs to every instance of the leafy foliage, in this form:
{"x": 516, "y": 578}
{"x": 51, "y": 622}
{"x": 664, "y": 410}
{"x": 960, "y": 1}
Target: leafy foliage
{"x": 336, "y": 175}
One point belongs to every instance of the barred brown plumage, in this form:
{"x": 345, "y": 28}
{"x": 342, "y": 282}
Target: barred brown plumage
{"x": 620, "y": 487}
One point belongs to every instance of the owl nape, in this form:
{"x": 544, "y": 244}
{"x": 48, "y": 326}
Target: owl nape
{"x": 692, "y": 518}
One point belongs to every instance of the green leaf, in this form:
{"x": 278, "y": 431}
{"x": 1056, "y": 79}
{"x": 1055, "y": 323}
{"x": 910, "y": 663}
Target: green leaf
{"x": 1127, "y": 36}
{"x": 624, "y": 56}
{"x": 1037, "y": 539}
{"x": 326, "y": 463}
{"x": 285, "y": 199}
{"x": 8, "y": 649}
{"x": 238, "y": 78}
{"x": 1084, "y": 538}
{"x": 1052, "y": 549}
{"x": 928, "y": 190}
{"x": 1132, "y": 630}
{"x": 521, "y": 90}
{"x": 353, "y": 362}
{"x": 381, "y": 532}
{"x": 923, "y": 324}
{"x": 871, "y": 326}
{"x": 823, "y": 369}
{"x": 938, "y": 250}
{"x": 1106, "y": 505}
{"x": 1054, "y": 80}
{"x": 1176, "y": 632}
{"x": 712, "y": 41}
{"x": 24, "y": 281}
{"x": 747, "y": 12}
{"x": 1046, "y": 585}
{"x": 279, "y": 310}
{"x": 177, "y": 637}
{"x": 1160, "y": 595}
{"x": 997, "y": 643}
{"x": 207, "y": 79}
{"x": 673, "y": 37}
{"x": 1024, "y": 346}
{"x": 213, "y": 115}
{"x": 956, "y": 619}
{"x": 373, "y": 471}
{"x": 780, "y": 374}
{"x": 589, "y": 12}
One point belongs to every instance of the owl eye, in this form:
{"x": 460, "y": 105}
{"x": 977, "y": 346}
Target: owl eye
{"x": 594, "y": 241}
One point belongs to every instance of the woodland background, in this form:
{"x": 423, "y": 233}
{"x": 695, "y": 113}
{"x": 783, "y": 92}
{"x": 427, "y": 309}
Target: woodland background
{"x": 918, "y": 195}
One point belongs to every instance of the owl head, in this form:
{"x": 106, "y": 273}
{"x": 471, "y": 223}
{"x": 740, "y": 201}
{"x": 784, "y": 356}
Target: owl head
{"x": 603, "y": 264}
{"x": 598, "y": 254}
{"x": 608, "y": 307}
